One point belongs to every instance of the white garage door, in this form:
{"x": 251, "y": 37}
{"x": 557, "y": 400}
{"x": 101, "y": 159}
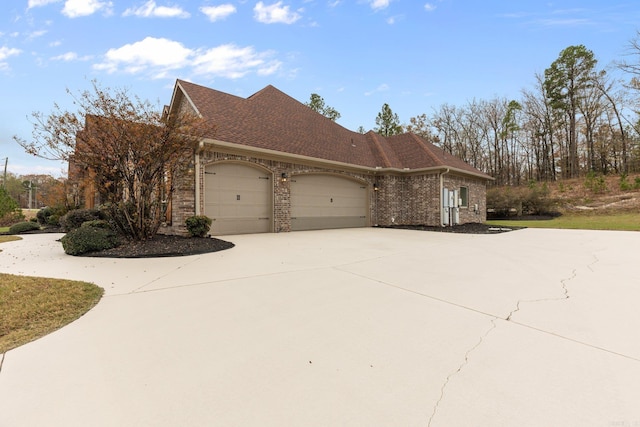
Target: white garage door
{"x": 327, "y": 201}
{"x": 238, "y": 199}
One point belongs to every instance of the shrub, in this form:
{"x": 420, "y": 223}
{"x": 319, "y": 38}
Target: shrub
{"x": 10, "y": 212}
{"x": 22, "y": 227}
{"x": 50, "y": 216}
{"x": 53, "y": 220}
{"x": 11, "y": 218}
{"x": 43, "y": 215}
{"x": 595, "y": 183}
{"x": 97, "y": 223}
{"x": 502, "y": 200}
{"x": 532, "y": 200}
{"x": 89, "y": 239}
{"x": 625, "y": 185}
{"x": 537, "y": 201}
{"x": 75, "y": 218}
{"x": 198, "y": 225}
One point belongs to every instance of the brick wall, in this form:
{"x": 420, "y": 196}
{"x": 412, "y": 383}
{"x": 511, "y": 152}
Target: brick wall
{"x": 477, "y": 196}
{"x": 399, "y": 199}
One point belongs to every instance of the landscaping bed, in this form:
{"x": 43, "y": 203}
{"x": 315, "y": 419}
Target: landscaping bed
{"x": 164, "y": 246}
{"x": 470, "y": 228}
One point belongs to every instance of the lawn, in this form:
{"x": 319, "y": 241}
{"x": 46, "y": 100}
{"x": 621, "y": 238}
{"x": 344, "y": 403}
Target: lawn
{"x": 31, "y": 307}
{"x": 620, "y": 221}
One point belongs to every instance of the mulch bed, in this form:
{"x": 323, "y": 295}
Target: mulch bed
{"x": 471, "y": 228}
{"x": 164, "y": 246}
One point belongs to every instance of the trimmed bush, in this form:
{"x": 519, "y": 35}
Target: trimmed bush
{"x": 198, "y": 225}
{"x": 53, "y": 220}
{"x": 75, "y": 218}
{"x": 50, "y": 216}
{"x": 23, "y": 227}
{"x": 98, "y": 223}
{"x": 43, "y": 215}
{"x": 89, "y": 239}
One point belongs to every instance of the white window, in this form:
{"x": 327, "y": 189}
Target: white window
{"x": 464, "y": 197}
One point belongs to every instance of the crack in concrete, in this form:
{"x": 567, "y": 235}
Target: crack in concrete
{"x": 565, "y": 291}
{"x": 2, "y": 361}
{"x": 457, "y": 371}
{"x": 595, "y": 261}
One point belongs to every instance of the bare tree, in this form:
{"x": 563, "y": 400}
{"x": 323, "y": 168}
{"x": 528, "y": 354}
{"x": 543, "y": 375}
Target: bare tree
{"x": 130, "y": 151}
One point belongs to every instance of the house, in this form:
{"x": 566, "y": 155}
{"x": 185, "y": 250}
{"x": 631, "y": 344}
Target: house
{"x": 275, "y": 165}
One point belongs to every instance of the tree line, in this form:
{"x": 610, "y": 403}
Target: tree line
{"x": 576, "y": 119}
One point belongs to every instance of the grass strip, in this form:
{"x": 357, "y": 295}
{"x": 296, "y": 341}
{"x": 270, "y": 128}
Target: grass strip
{"x": 620, "y": 222}
{"x": 31, "y": 307}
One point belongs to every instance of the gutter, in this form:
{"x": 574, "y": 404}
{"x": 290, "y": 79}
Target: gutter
{"x": 273, "y": 154}
{"x": 442, "y": 174}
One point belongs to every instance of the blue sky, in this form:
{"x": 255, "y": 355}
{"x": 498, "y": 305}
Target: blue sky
{"x": 414, "y": 55}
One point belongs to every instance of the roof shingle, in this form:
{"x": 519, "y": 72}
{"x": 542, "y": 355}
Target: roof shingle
{"x": 271, "y": 119}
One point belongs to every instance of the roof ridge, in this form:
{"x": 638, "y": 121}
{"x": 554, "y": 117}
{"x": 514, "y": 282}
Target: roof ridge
{"x": 264, "y": 90}
{"x": 208, "y": 89}
{"x": 421, "y": 143}
{"x": 374, "y": 136}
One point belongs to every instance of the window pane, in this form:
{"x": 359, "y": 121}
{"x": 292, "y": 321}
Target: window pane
{"x": 464, "y": 196}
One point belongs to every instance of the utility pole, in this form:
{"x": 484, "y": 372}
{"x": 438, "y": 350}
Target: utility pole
{"x": 4, "y": 181}
{"x": 32, "y": 194}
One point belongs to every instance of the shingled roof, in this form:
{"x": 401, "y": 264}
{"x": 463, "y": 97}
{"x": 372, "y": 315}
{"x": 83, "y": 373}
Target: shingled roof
{"x": 271, "y": 119}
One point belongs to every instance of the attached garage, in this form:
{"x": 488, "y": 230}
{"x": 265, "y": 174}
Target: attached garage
{"x": 327, "y": 201}
{"x": 238, "y": 198}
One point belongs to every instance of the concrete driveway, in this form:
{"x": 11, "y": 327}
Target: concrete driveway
{"x": 359, "y": 327}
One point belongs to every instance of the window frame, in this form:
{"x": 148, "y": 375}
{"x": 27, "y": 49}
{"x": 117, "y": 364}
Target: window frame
{"x": 463, "y": 201}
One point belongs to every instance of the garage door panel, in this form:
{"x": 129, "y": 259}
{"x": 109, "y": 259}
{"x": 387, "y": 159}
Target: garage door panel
{"x": 238, "y": 199}
{"x": 323, "y": 222}
{"x": 241, "y": 225}
{"x": 327, "y": 201}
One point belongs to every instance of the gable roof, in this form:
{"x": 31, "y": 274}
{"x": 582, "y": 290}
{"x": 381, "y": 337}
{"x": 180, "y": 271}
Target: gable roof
{"x": 272, "y": 120}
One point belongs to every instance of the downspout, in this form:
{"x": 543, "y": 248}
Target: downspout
{"x": 442, "y": 174}
{"x": 196, "y": 177}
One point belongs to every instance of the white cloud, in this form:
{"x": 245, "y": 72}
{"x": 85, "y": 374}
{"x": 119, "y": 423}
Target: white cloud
{"x": 382, "y": 88}
{"x": 6, "y": 52}
{"x": 36, "y": 34}
{"x": 234, "y": 62}
{"x": 215, "y": 13}
{"x": 379, "y": 4}
{"x": 150, "y": 53}
{"x": 274, "y": 14}
{"x": 77, "y": 8}
{"x": 151, "y": 9}
{"x": 430, "y": 7}
{"x": 157, "y": 57}
{"x": 38, "y": 3}
{"x": 70, "y": 56}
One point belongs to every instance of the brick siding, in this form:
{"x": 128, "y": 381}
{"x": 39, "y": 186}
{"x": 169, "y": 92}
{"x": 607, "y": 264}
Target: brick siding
{"x": 399, "y": 199}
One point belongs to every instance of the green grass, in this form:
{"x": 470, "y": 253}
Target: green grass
{"x": 32, "y": 307}
{"x": 621, "y": 222}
